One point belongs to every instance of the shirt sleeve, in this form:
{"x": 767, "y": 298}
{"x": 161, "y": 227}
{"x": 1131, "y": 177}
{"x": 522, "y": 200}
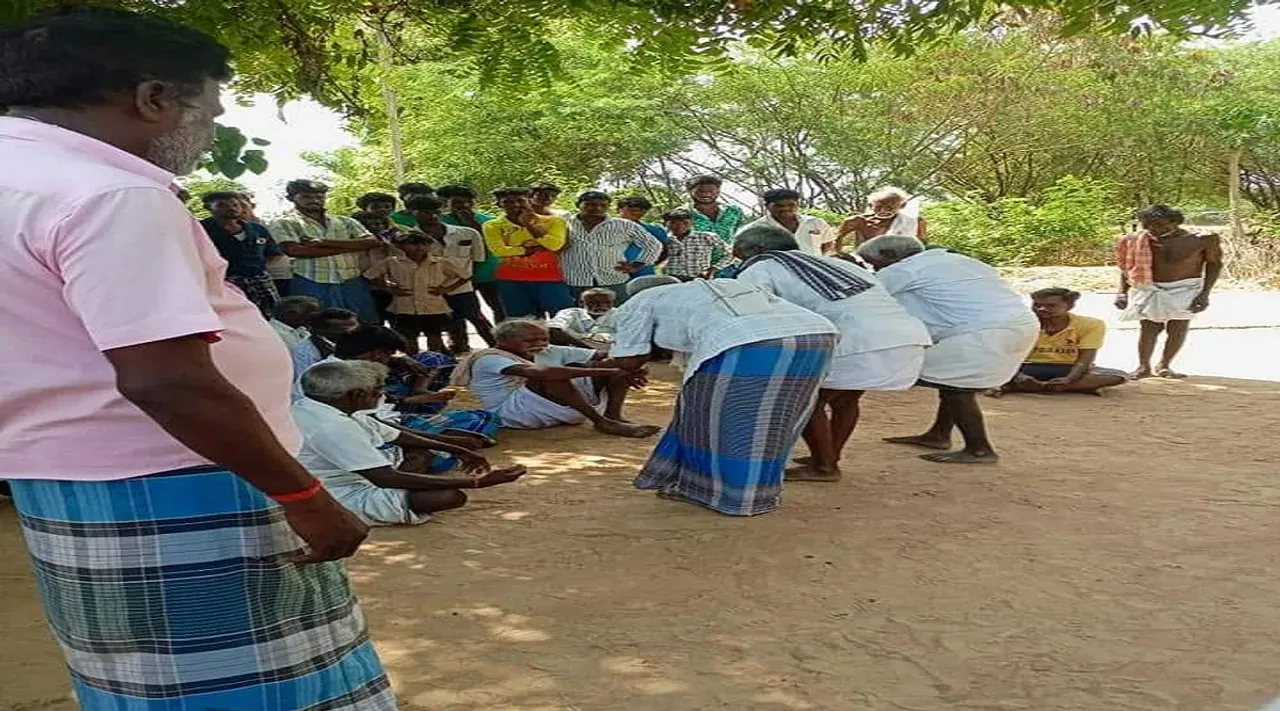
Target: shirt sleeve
{"x": 493, "y": 240}
{"x": 633, "y": 326}
{"x": 477, "y": 244}
{"x": 131, "y": 268}
{"x": 272, "y": 248}
{"x": 354, "y": 228}
{"x": 346, "y": 446}
{"x": 650, "y": 247}
{"x": 758, "y": 277}
{"x": 1092, "y": 333}
{"x": 564, "y": 319}
{"x": 491, "y": 366}
{"x": 285, "y": 230}
{"x": 557, "y": 235}
{"x": 896, "y": 278}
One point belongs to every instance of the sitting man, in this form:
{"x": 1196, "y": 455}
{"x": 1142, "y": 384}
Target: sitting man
{"x": 291, "y": 316}
{"x": 376, "y": 471}
{"x": 325, "y": 326}
{"x": 1062, "y": 359}
{"x": 532, "y": 384}
{"x": 980, "y": 328}
{"x": 586, "y": 326}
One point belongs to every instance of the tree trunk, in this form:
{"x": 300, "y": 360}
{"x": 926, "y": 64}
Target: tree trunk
{"x": 391, "y": 103}
{"x": 1233, "y": 194}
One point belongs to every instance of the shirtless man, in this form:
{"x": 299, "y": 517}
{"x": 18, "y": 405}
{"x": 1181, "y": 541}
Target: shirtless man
{"x": 884, "y": 218}
{"x": 1166, "y": 274}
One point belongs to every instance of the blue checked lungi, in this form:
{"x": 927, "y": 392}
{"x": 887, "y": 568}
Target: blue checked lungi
{"x": 481, "y": 422}
{"x": 172, "y": 592}
{"x": 736, "y": 420}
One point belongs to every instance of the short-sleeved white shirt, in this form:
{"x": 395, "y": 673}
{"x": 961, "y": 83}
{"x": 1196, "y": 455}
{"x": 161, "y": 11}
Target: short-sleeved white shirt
{"x": 492, "y": 387}
{"x": 953, "y": 293}
{"x": 335, "y": 445}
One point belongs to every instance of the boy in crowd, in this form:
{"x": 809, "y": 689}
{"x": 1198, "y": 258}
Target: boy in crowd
{"x": 384, "y": 475}
{"x": 418, "y": 284}
{"x": 464, "y": 247}
{"x": 587, "y": 326}
{"x": 693, "y": 255}
{"x": 531, "y": 384}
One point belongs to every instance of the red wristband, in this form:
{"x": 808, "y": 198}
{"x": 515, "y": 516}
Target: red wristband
{"x": 296, "y": 496}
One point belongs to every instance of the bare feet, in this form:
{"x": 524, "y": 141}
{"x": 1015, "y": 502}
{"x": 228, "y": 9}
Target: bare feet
{"x": 806, "y": 472}
{"x": 624, "y": 429}
{"x": 1140, "y": 373}
{"x": 923, "y": 440}
{"x": 1165, "y": 371}
{"x": 996, "y": 393}
{"x": 962, "y": 457}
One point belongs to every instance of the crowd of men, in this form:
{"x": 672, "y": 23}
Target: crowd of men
{"x": 187, "y": 485}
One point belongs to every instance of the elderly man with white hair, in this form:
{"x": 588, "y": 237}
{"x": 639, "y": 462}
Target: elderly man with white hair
{"x": 980, "y": 328}
{"x": 755, "y": 363}
{"x": 889, "y": 214}
{"x": 881, "y": 347}
{"x": 384, "y": 475}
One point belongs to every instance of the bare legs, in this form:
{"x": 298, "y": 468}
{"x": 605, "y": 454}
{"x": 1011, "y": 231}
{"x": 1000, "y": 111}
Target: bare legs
{"x": 1091, "y": 383}
{"x": 826, "y": 435}
{"x": 959, "y": 410}
{"x": 1175, "y": 336}
{"x": 564, "y": 392}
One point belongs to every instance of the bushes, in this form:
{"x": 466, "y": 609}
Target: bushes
{"x": 1073, "y": 223}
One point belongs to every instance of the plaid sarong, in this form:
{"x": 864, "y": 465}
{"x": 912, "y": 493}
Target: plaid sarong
{"x": 173, "y": 591}
{"x": 735, "y": 424}
{"x": 260, "y": 289}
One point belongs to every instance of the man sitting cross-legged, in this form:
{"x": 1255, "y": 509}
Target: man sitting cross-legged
{"x": 532, "y": 384}
{"x": 376, "y": 471}
{"x": 1062, "y": 359}
{"x": 587, "y": 326}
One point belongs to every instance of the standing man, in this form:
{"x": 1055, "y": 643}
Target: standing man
{"x": 379, "y": 204}
{"x": 184, "y": 557}
{"x": 709, "y": 215}
{"x": 1166, "y": 274}
{"x": 405, "y": 191}
{"x": 526, "y": 244}
{"x": 326, "y": 251}
{"x": 635, "y": 208}
{"x": 692, "y": 255}
{"x": 598, "y": 244}
{"x": 542, "y": 196}
{"x": 464, "y": 248}
{"x": 461, "y": 201}
{"x": 886, "y": 217}
{"x": 782, "y": 209}
{"x": 245, "y": 245}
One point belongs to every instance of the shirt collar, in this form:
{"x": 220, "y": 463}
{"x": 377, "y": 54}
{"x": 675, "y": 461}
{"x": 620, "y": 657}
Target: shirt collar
{"x": 48, "y": 134}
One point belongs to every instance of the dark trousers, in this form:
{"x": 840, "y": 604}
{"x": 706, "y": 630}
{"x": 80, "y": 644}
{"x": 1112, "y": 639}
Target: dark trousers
{"x": 466, "y": 308}
{"x": 489, "y": 290}
{"x": 538, "y": 299}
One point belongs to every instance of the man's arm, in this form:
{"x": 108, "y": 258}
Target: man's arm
{"x": 650, "y": 247}
{"x": 551, "y": 233}
{"x": 1121, "y": 256}
{"x": 556, "y": 372}
{"x": 493, "y": 240}
{"x": 390, "y": 478}
{"x": 1212, "y": 270}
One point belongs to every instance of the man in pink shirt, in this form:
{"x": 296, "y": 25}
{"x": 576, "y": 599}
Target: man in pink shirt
{"x": 184, "y": 556}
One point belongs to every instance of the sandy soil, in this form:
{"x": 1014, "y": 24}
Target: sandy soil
{"x": 1116, "y": 560}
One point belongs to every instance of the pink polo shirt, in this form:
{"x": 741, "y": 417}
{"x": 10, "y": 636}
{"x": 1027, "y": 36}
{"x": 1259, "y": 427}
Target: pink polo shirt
{"x": 97, "y": 253}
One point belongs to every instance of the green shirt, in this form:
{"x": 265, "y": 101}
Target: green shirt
{"x": 483, "y": 270}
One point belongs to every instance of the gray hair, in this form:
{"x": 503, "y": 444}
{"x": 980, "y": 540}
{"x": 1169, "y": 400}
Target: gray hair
{"x": 296, "y": 304}
{"x": 766, "y": 238}
{"x": 597, "y": 291}
{"x": 328, "y": 381}
{"x": 639, "y": 284}
{"x": 888, "y": 193}
{"x": 515, "y": 326}
{"x": 899, "y": 246}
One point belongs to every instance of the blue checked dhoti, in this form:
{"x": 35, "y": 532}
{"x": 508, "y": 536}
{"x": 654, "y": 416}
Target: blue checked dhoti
{"x": 735, "y": 424}
{"x": 172, "y": 592}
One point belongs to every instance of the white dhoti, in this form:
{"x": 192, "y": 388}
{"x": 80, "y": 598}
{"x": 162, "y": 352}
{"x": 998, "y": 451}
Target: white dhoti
{"x": 1163, "y": 301}
{"x": 885, "y": 369}
{"x": 981, "y": 359}
{"x": 527, "y": 410}
{"x": 375, "y": 505}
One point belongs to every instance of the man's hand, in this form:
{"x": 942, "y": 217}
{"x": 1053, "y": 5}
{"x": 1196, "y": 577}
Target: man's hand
{"x": 472, "y": 463}
{"x": 629, "y": 267}
{"x": 1122, "y": 301}
{"x": 330, "y": 531}
{"x": 437, "y": 291}
{"x": 500, "y": 476}
{"x": 368, "y": 243}
{"x": 1058, "y": 383}
{"x": 398, "y": 290}
{"x": 413, "y": 366}
{"x": 526, "y": 218}
{"x": 1200, "y": 303}
{"x": 425, "y": 398}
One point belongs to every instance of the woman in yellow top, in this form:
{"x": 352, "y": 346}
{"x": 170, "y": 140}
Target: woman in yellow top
{"x": 1062, "y": 359}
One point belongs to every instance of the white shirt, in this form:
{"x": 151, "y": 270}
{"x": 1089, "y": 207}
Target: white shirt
{"x": 464, "y": 247}
{"x": 870, "y": 321}
{"x": 953, "y": 293}
{"x": 811, "y": 232}
{"x": 289, "y": 334}
{"x": 335, "y": 445}
{"x": 690, "y": 318}
{"x": 492, "y": 387}
{"x": 592, "y": 255}
{"x": 579, "y": 323}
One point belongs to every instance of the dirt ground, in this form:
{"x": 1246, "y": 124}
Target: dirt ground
{"x": 1117, "y": 559}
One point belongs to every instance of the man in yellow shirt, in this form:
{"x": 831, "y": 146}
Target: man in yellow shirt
{"x": 1062, "y": 359}
{"x": 527, "y": 244}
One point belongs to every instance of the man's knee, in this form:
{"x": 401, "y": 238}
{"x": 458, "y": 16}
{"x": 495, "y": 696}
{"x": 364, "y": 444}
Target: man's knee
{"x": 1152, "y": 326}
{"x": 426, "y": 502}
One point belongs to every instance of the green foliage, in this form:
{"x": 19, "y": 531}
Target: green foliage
{"x": 1073, "y": 222}
{"x": 213, "y": 184}
{"x": 230, "y": 155}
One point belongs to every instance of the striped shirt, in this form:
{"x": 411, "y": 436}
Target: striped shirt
{"x": 593, "y": 254}
{"x": 693, "y": 254}
{"x": 296, "y": 227}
